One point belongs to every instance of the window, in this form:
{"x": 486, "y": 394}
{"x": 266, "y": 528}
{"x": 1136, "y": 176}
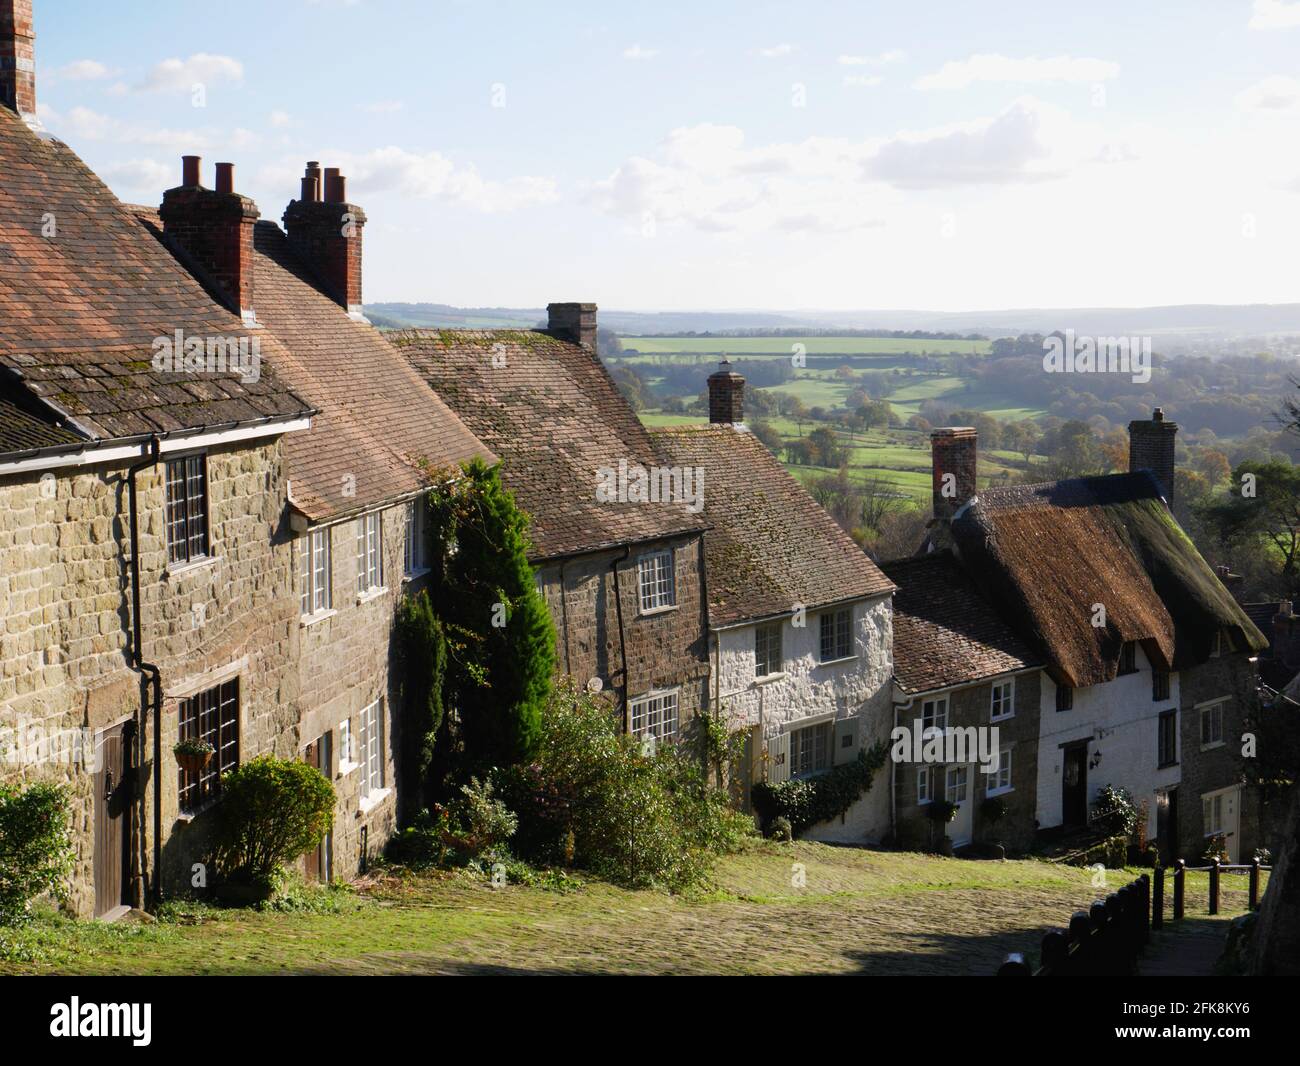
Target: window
{"x": 655, "y": 576}
{"x": 1000, "y": 779}
{"x": 923, "y": 784}
{"x": 1159, "y": 685}
{"x": 654, "y": 716}
{"x": 1064, "y": 698}
{"x": 836, "y": 635}
{"x": 413, "y": 546}
{"x": 1167, "y": 739}
{"x": 1212, "y": 814}
{"x": 767, "y": 650}
{"x": 370, "y": 745}
{"x": 1128, "y": 658}
{"x": 314, "y": 585}
{"x": 1003, "y": 700}
{"x": 370, "y": 554}
{"x": 187, "y": 509}
{"x": 1212, "y": 725}
{"x": 810, "y": 749}
{"x": 347, "y": 753}
{"x": 956, "y": 785}
{"x": 934, "y": 714}
{"x": 212, "y": 716}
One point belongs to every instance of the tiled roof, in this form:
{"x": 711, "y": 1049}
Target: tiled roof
{"x": 20, "y": 431}
{"x": 1049, "y": 555}
{"x": 381, "y": 431}
{"x": 85, "y": 291}
{"x": 945, "y": 632}
{"x": 771, "y": 547}
{"x": 549, "y": 409}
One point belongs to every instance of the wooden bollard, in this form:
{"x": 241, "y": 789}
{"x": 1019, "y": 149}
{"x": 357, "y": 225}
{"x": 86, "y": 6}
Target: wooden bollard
{"x": 1214, "y": 887}
{"x": 1015, "y": 966}
{"x": 1158, "y": 899}
{"x": 1254, "y": 885}
{"x": 1144, "y": 915}
{"x": 1056, "y": 951}
{"x": 1180, "y": 876}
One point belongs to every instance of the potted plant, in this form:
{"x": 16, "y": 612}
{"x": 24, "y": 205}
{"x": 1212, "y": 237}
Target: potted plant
{"x": 940, "y": 813}
{"x": 193, "y": 754}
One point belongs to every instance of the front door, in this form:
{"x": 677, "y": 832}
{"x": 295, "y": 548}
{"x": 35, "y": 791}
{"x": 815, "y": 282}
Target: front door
{"x": 112, "y": 821}
{"x": 1167, "y": 825}
{"x": 317, "y": 754}
{"x": 958, "y": 792}
{"x": 1221, "y": 815}
{"x": 1074, "y": 785}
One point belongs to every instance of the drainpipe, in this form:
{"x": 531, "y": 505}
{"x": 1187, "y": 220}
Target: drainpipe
{"x": 564, "y": 618}
{"x": 150, "y": 676}
{"x": 622, "y": 638}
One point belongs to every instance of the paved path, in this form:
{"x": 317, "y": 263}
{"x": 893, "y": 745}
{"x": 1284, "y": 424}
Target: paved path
{"x": 1187, "y": 948}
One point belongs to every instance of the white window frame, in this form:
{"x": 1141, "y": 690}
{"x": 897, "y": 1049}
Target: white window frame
{"x": 1212, "y": 813}
{"x": 347, "y": 748}
{"x": 934, "y": 714}
{"x": 656, "y": 581}
{"x": 923, "y": 794}
{"x": 1002, "y": 774}
{"x": 315, "y": 573}
{"x": 774, "y": 631}
{"x": 834, "y": 617}
{"x": 370, "y": 553}
{"x": 1215, "y": 711}
{"x": 954, "y": 778}
{"x": 187, "y": 510}
{"x": 370, "y": 745}
{"x": 656, "y": 714}
{"x": 414, "y": 552}
{"x": 805, "y": 740}
{"x": 1007, "y": 703}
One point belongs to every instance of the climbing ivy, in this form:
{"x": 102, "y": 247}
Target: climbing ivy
{"x": 818, "y": 799}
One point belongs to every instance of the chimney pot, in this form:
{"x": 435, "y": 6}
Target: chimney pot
{"x": 954, "y": 461}
{"x": 191, "y": 168}
{"x": 225, "y": 178}
{"x": 326, "y": 234}
{"x": 334, "y": 184}
{"x": 726, "y": 396}
{"x": 575, "y": 323}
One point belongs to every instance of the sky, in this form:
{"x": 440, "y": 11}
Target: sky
{"x": 705, "y": 155}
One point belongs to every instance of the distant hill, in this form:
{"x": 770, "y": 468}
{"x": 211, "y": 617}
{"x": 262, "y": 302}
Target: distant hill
{"x": 1183, "y": 320}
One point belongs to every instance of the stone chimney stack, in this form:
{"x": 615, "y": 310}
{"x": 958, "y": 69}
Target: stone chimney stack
{"x": 726, "y": 396}
{"x": 325, "y": 230}
{"x": 1151, "y": 447}
{"x": 953, "y": 452}
{"x": 215, "y": 229}
{"x": 575, "y": 323}
{"x": 18, "y": 58}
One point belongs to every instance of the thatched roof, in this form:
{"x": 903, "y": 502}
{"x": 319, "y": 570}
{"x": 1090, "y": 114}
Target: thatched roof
{"x": 1049, "y": 554}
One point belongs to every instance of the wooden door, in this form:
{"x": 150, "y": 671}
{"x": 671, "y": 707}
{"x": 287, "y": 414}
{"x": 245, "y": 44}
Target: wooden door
{"x": 112, "y": 820}
{"x": 1074, "y": 785}
{"x": 317, "y": 861}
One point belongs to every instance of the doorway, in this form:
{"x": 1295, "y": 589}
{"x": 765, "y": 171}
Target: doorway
{"x": 1074, "y": 785}
{"x": 1221, "y": 815}
{"x": 319, "y": 860}
{"x": 958, "y": 792}
{"x": 112, "y": 821}
{"x": 1167, "y": 825}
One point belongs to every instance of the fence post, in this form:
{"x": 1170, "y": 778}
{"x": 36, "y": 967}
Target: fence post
{"x": 1254, "y": 885}
{"x": 1015, "y": 966}
{"x": 1083, "y": 936}
{"x": 1144, "y": 913}
{"x": 1158, "y": 901}
{"x": 1214, "y": 887}
{"x": 1056, "y": 952}
{"x": 1180, "y": 876}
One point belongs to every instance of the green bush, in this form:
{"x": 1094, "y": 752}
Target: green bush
{"x": 36, "y": 854}
{"x": 271, "y": 811}
{"x": 422, "y": 652}
{"x": 1114, "y": 811}
{"x": 818, "y": 799}
{"x": 593, "y": 798}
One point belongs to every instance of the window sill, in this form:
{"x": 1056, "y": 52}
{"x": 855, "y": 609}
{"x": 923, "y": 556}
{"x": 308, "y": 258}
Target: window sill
{"x": 1000, "y": 791}
{"x": 1003, "y": 717}
{"x": 1167, "y": 765}
{"x": 837, "y": 662}
{"x": 1212, "y": 746}
{"x": 178, "y": 570}
{"x": 371, "y": 594}
{"x": 416, "y": 574}
{"x": 767, "y": 679}
{"x": 653, "y": 611}
{"x": 370, "y": 802}
{"x": 186, "y": 817}
{"x": 346, "y": 767}
{"x": 320, "y": 616}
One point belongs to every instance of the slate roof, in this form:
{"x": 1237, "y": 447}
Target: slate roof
{"x": 552, "y": 413}
{"x": 945, "y": 632}
{"x": 1046, "y": 554}
{"x": 772, "y": 546}
{"x": 21, "y": 432}
{"x": 81, "y": 307}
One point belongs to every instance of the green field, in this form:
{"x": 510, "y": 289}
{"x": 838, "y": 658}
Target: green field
{"x": 812, "y": 345}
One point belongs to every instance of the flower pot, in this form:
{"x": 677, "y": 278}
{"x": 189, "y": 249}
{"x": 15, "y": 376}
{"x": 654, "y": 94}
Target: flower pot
{"x": 193, "y": 762}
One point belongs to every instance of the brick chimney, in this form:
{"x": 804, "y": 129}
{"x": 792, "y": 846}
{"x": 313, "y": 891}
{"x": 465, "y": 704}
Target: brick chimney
{"x": 572, "y": 322}
{"x": 953, "y": 452}
{"x": 325, "y": 230}
{"x": 214, "y": 227}
{"x": 1151, "y": 447}
{"x": 726, "y": 396}
{"x": 1286, "y": 636}
{"x": 17, "y": 58}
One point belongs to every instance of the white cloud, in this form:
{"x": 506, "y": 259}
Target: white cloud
{"x": 1274, "y": 15}
{"x": 81, "y": 123}
{"x": 637, "y": 52}
{"x": 863, "y": 80}
{"x": 280, "y": 120}
{"x": 958, "y": 74}
{"x": 383, "y": 107}
{"x": 84, "y": 70}
{"x": 1275, "y": 94}
{"x": 181, "y": 75}
{"x": 775, "y": 52}
{"x": 146, "y": 176}
{"x": 871, "y": 61}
